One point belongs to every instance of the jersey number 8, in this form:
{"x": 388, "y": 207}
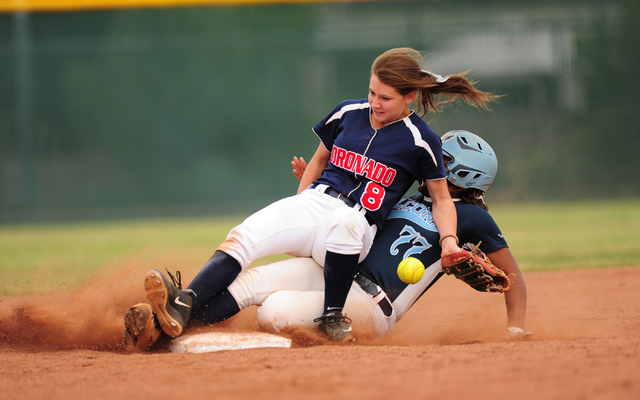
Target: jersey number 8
{"x": 372, "y": 197}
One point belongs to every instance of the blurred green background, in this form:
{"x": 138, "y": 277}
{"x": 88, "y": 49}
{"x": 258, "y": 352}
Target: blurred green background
{"x": 197, "y": 111}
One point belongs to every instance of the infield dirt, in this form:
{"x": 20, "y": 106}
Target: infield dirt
{"x": 586, "y": 345}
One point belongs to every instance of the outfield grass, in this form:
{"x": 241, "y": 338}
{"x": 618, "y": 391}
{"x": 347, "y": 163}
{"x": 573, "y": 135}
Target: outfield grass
{"x": 555, "y": 236}
{"x": 62, "y": 256}
{"x": 550, "y": 236}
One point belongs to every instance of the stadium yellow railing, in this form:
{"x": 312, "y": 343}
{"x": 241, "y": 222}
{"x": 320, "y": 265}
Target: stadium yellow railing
{"x": 14, "y": 6}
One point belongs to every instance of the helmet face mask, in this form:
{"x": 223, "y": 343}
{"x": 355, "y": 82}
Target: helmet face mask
{"x": 473, "y": 163}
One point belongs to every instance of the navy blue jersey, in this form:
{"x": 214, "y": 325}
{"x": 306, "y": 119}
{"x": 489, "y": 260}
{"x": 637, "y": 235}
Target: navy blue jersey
{"x": 377, "y": 167}
{"x": 410, "y": 231}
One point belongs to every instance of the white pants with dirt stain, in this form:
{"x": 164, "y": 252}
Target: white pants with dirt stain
{"x": 305, "y": 225}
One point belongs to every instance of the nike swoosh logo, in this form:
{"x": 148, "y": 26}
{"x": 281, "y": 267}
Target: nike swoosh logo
{"x": 178, "y": 302}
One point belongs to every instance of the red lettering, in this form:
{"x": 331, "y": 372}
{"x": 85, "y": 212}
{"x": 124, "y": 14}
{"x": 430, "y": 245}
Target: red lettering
{"x": 388, "y": 179}
{"x": 380, "y": 171}
{"x": 359, "y": 164}
{"x": 340, "y": 158}
{"x": 368, "y": 169}
{"x": 362, "y": 166}
{"x": 349, "y": 160}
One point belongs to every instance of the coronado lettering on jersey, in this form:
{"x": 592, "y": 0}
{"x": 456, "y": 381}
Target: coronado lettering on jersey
{"x": 363, "y": 166}
{"x": 416, "y": 208}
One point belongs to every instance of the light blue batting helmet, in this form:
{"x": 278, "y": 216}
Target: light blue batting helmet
{"x": 473, "y": 163}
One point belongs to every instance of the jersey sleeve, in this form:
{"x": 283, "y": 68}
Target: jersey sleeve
{"x": 477, "y": 226}
{"x": 329, "y": 127}
{"x": 431, "y": 163}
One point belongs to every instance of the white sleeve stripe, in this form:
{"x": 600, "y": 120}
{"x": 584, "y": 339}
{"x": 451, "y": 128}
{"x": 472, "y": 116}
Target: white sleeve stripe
{"x": 417, "y": 139}
{"x": 351, "y": 107}
{"x": 437, "y": 179}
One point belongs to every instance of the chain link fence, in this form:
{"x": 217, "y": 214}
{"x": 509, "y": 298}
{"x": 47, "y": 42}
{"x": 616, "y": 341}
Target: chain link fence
{"x": 198, "y": 110}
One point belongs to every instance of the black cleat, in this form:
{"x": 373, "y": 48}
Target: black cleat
{"x": 171, "y": 304}
{"x": 141, "y": 328}
{"x": 336, "y": 327}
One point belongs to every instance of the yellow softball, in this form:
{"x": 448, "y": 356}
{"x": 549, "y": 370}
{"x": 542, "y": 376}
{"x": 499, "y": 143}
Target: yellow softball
{"x": 410, "y": 270}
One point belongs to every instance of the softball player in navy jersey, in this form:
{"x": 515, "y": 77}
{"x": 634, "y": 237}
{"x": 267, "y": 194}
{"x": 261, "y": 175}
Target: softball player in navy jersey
{"x": 378, "y": 298}
{"x": 290, "y": 292}
{"x": 371, "y": 152}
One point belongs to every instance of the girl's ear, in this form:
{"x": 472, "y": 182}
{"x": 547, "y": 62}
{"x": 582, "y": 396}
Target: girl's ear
{"x": 411, "y": 97}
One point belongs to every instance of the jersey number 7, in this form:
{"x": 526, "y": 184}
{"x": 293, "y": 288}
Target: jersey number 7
{"x": 409, "y": 235}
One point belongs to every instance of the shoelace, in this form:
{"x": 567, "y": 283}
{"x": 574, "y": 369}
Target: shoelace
{"x": 178, "y": 284}
{"x": 332, "y": 319}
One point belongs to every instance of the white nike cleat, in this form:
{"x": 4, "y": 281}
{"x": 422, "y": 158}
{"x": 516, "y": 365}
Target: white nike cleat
{"x": 171, "y": 304}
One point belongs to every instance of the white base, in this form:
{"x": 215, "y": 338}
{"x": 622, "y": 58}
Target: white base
{"x": 218, "y": 341}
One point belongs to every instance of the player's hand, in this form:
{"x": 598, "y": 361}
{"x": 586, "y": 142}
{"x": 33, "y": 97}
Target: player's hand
{"x": 299, "y": 165}
{"x": 449, "y": 245}
{"x": 515, "y": 334}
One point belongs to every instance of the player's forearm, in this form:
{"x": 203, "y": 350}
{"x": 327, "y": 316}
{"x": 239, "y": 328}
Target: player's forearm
{"x": 516, "y": 301}
{"x": 446, "y": 220}
{"x": 444, "y": 215}
{"x": 312, "y": 173}
{"x": 315, "y": 167}
{"x": 516, "y": 297}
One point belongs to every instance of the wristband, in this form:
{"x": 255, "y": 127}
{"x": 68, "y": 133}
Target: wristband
{"x": 446, "y": 236}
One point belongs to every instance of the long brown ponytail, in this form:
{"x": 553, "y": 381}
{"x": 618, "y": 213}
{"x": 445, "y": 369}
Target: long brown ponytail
{"x": 400, "y": 68}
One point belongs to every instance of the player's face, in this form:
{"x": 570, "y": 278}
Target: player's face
{"x": 387, "y": 104}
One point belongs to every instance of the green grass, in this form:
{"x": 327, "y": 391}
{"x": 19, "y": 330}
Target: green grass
{"x": 554, "y": 236}
{"x": 58, "y": 257}
{"x": 550, "y": 236}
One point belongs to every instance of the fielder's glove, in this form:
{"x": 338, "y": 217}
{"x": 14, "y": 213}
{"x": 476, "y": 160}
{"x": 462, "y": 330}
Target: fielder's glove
{"x": 473, "y": 267}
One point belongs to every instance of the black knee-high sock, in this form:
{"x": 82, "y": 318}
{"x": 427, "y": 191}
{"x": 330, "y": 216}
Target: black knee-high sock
{"x": 218, "y": 308}
{"x": 216, "y": 275}
{"x": 339, "y": 271}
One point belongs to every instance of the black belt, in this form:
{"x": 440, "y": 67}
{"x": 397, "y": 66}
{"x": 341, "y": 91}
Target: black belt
{"x": 371, "y": 288}
{"x": 342, "y": 196}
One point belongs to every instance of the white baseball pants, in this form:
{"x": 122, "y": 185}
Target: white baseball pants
{"x": 291, "y": 293}
{"x": 305, "y": 225}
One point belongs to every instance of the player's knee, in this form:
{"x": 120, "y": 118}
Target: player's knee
{"x": 344, "y": 217}
{"x": 345, "y": 234}
{"x": 289, "y": 308}
{"x": 238, "y": 245}
{"x": 271, "y": 316}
